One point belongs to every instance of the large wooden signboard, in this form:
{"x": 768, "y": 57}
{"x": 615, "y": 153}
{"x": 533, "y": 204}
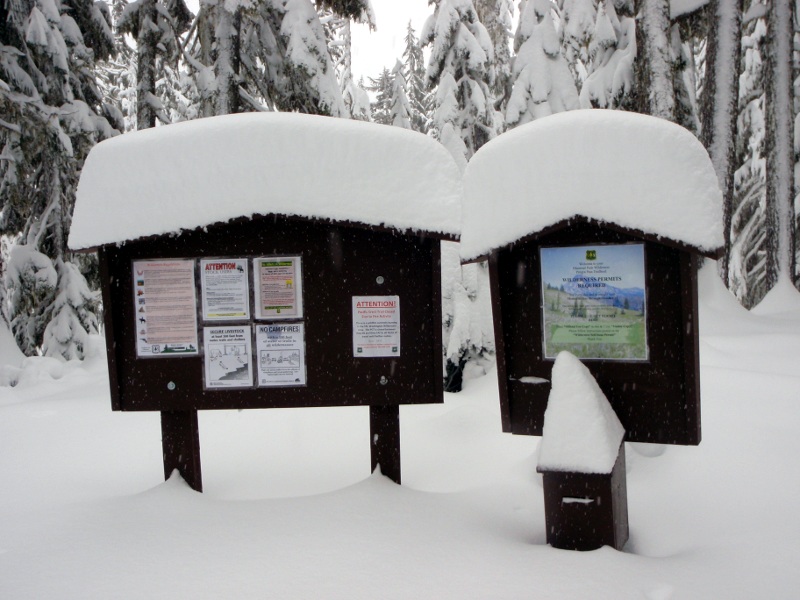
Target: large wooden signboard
{"x": 623, "y": 302}
{"x": 273, "y": 312}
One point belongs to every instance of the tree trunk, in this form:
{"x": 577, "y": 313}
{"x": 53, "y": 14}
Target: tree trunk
{"x": 146, "y": 65}
{"x": 228, "y": 60}
{"x": 778, "y": 139}
{"x": 719, "y": 106}
{"x": 654, "y": 93}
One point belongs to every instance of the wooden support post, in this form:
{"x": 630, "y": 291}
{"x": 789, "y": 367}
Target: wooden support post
{"x": 180, "y": 441}
{"x": 384, "y": 432}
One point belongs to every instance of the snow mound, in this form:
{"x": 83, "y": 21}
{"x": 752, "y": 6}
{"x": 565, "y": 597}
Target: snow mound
{"x": 212, "y": 170}
{"x": 633, "y": 170}
{"x": 783, "y": 299}
{"x": 10, "y": 353}
{"x": 581, "y": 431}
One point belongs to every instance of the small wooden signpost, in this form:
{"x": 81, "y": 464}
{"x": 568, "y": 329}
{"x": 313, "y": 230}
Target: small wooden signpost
{"x": 270, "y": 308}
{"x": 595, "y": 249}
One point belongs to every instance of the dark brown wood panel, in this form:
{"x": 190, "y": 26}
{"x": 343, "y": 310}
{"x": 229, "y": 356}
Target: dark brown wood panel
{"x": 338, "y": 262}
{"x": 657, "y": 400}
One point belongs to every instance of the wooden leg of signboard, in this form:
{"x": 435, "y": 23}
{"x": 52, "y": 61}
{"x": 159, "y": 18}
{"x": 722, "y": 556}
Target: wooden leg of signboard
{"x": 384, "y": 431}
{"x": 180, "y": 442}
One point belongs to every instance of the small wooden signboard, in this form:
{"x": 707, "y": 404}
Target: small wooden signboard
{"x": 594, "y": 249}
{"x": 641, "y": 349}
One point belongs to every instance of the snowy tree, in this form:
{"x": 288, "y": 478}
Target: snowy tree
{"x": 612, "y": 52}
{"x": 497, "y": 17}
{"x": 266, "y": 55}
{"x": 116, "y": 76}
{"x": 579, "y": 18}
{"x": 381, "y": 107}
{"x": 687, "y": 36}
{"x": 461, "y": 68}
{"x": 400, "y": 111}
{"x": 155, "y": 25}
{"x": 419, "y": 98}
{"x": 720, "y": 102}
{"x": 446, "y": 118}
{"x": 461, "y": 64}
{"x": 337, "y": 31}
{"x": 747, "y": 261}
{"x": 779, "y": 143}
{"x": 542, "y": 84}
{"x": 52, "y": 115}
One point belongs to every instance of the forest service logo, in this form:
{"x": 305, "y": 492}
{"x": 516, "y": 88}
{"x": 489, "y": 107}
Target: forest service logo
{"x": 591, "y": 255}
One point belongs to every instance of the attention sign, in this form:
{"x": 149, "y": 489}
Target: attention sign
{"x": 376, "y": 326}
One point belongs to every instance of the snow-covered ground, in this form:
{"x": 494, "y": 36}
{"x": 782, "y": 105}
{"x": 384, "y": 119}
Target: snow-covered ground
{"x": 290, "y": 510}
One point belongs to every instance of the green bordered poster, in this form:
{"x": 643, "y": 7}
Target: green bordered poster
{"x": 278, "y": 287}
{"x": 594, "y": 302}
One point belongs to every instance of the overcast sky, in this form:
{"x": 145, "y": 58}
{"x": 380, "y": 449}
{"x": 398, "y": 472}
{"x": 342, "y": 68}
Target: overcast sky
{"x": 373, "y": 50}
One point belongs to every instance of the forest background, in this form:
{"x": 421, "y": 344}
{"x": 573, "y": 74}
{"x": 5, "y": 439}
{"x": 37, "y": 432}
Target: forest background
{"x": 75, "y": 72}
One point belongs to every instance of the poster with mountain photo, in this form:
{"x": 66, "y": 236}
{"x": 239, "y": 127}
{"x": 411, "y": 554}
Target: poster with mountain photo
{"x": 594, "y": 301}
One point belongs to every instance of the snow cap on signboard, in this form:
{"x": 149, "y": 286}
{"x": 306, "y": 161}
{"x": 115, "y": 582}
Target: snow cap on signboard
{"x": 638, "y": 172}
{"x": 197, "y": 173}
{"x": 581, "y": 433}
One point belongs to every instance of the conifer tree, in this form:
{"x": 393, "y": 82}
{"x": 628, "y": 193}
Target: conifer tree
{"x": 612, "y": 51}
{"x": 155, "y": 25}
{"x": 542, "y": 83}
{"x": 461, "y": 64}
{"x": 52, "y": 115}
{"x": 337, "y": 32}
{"x": 116, "y": 76}
{"x": 400, "y": 113}
{"x": 496, "y": 16}
{"x": 780, "y": 217}
{"x": 419, "y": 98}
{"x": 579, "y": 18}
{"x": 267, "y": 55}
{"x": 461, "y": 69}
{"x": 381, "y": 107}
{"x": 746, "y": 265}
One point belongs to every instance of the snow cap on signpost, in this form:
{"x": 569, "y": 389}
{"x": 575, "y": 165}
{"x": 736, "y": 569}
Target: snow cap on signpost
{"x": 632, "y": 171}
{"x": 214, "y": 170}
{"x": 582, "y": 433}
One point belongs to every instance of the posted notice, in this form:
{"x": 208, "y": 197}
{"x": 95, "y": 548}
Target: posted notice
{"x": 376, "y": 326}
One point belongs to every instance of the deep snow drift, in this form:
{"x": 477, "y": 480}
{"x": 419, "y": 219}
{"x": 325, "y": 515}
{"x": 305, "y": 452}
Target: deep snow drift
{"x": 290, "y": 510}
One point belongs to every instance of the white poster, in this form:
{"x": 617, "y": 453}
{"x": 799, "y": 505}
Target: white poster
{"x": 225, "y": 289}
{"x": 165, "y": 305}
{"x": 376, "y": 326}
{"x": 281, "y": 354}
{"x": 279, "y": 287}
{"x": 227, "y": 357}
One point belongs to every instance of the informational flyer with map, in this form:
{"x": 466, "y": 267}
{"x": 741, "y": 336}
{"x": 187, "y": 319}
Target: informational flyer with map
{"x": 376, "y": 326}
{"x": 227, "y": 357}
{"x": 279, "y": 287}
{"x": 165, "y": 304}
{"x": 281, "y": 354}
{"x": 594, "y": 301}
{"x": 225, "y": 289}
